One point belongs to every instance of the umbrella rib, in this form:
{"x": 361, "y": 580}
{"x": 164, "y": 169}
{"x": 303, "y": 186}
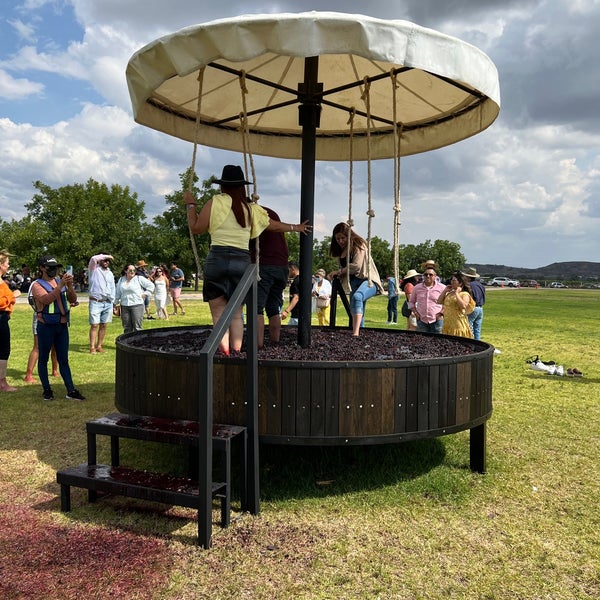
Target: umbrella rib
{"x": 406, "y": 127}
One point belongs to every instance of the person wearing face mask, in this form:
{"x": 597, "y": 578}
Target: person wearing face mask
{"x": 53, "y": 297}
{"x": 322, "y": 292}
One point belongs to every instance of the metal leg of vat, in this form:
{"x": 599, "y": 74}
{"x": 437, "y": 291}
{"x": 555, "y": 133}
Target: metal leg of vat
{"x": 477, "y": 443}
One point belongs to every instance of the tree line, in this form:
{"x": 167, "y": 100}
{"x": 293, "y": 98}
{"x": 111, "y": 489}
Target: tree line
{"x": 74, "y": 222}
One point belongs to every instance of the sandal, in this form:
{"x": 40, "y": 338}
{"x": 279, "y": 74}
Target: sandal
{"x": 536, "y": 359}
{"x": 577, "y": 373}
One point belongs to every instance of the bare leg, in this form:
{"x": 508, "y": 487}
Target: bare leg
{"x": 217, "y": 306}
{"x": 356, "y": 321}
{"x": 55, "y": 372}
{"x": 101, "y": 334}
{"x": 93, "y": 336}
{"x": 32, "y": 361}
{"x": 236, "y": 331}
{"x": 274, "y": 328}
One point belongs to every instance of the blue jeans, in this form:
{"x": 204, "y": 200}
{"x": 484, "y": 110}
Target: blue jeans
{"x": 435, "y": 327}
{"x": 475, "y": 320}
{"x": 57, "y": 336}
{"x": 392, "y": 308}
{"x": 360, "y": 293}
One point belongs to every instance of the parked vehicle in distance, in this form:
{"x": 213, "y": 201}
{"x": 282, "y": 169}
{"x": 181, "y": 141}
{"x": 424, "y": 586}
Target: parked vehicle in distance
{"x": 529, "y": 283}
{"x": 504, "y": 281}
{"x": 557, "y": 284}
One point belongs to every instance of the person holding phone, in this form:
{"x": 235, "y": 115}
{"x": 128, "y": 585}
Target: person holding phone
{"x": 53, "y": 297}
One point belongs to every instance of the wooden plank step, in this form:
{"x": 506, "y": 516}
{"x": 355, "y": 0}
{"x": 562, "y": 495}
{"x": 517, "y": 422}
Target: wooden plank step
{"x": 134, "y": 483}
{"x": 154, "y": 429}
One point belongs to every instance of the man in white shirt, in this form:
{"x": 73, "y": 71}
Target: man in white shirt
{"x": 101, "y": 297}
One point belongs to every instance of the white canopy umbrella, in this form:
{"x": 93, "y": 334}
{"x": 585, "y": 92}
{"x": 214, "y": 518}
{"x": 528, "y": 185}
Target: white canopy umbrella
{"x": 312, "y": 82}
{"x": 447, "y": 89}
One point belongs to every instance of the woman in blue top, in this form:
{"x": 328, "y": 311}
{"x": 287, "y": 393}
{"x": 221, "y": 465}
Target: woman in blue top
{"x": 232, "y": 220}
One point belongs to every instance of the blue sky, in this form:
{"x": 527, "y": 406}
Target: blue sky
{"x": 523, "y": 193}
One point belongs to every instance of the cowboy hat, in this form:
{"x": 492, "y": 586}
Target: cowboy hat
{"x": 411, "y": 273}
{"x": 142, "y": 263}
{"x": 232, "y": 175}
{"x": 430, "y": 264}
{"x": 471, "y": 272}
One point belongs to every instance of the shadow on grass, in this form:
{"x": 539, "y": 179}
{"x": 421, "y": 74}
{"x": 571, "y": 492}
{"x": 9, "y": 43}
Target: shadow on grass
{"x": 304, "y": 472}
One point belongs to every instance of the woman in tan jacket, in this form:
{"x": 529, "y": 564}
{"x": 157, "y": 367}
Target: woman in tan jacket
{"x": 357, "y": 271}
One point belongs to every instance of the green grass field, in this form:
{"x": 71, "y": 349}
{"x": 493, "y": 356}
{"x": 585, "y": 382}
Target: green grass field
{"x": 407, "y": 521}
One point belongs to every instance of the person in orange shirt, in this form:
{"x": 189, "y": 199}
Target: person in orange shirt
{"x": 7, "y": 303}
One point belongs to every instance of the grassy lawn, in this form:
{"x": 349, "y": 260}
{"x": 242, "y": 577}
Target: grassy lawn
{"x": 406, "y": 521}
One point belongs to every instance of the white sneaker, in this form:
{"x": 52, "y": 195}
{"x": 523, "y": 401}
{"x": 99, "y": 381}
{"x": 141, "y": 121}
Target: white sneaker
{"x": 551, "y": 369}
{"x": 560, "y": 371}
{"x": 538, "y": 365}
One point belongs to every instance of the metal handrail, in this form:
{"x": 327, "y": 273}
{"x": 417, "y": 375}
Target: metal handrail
{"x": 245, "y": 293}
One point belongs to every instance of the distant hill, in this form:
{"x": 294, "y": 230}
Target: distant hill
{"x": 562, "y": 271}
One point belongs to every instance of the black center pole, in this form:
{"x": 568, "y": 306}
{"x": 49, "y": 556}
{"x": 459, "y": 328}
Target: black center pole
{"x": 309, "y": 118}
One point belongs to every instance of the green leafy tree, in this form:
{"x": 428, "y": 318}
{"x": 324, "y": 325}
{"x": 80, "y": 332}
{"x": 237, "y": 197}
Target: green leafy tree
{"x": 383, "y": 256}
{"x": 321, "y": 258}
{"x": 447, "y": 254}
{"x": 76, "y": 221}
{"x": 171, "y": 238}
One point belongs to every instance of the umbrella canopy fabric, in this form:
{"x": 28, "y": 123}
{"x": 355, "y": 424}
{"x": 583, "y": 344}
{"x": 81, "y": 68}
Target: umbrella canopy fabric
{"x": 446, "y": 90}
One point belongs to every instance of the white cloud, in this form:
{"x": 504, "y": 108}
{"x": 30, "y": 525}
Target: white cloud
{"x": 524, "y": 193}
{"x": 13, "y": 89}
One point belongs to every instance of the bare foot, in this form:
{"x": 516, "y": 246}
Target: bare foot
{"x": 100, "y": 349}
{"x": 55, "y": 373}
{"x": 29, "y": 379}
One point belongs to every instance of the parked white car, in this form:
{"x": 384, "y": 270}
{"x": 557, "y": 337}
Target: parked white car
{"x": 504, "y": 281}
{"x": 557, "y": 284}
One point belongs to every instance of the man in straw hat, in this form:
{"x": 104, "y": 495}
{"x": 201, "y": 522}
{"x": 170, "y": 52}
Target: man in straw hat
{"x": 321, "y": 290}
{"x": 478, "y": 293}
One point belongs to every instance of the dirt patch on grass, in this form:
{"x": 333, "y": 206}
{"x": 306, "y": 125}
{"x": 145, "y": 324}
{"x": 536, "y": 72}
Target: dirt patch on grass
{"x": 39, "y": 559}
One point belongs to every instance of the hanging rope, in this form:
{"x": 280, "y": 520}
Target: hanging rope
{"x": 397, "y": 155}
{"x": 192, "y": 171}
{"x": 249, "y": 158}
{"x": 370, "y": 212}
{"x": 246, "y": 137}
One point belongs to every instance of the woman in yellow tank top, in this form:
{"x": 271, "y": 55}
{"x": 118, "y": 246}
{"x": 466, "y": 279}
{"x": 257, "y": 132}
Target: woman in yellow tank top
{"x": 231, "y": 220}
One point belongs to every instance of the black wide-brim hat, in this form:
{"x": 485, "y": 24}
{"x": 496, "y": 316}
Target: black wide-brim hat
{"x": 232, "y": 175}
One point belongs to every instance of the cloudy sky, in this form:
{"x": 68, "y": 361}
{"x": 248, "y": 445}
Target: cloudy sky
{"x": 526, "y": 192}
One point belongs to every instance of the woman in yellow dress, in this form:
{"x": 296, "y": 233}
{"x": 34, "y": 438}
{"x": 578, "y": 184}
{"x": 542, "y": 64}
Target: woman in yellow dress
{"x": 458, "y": 303}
